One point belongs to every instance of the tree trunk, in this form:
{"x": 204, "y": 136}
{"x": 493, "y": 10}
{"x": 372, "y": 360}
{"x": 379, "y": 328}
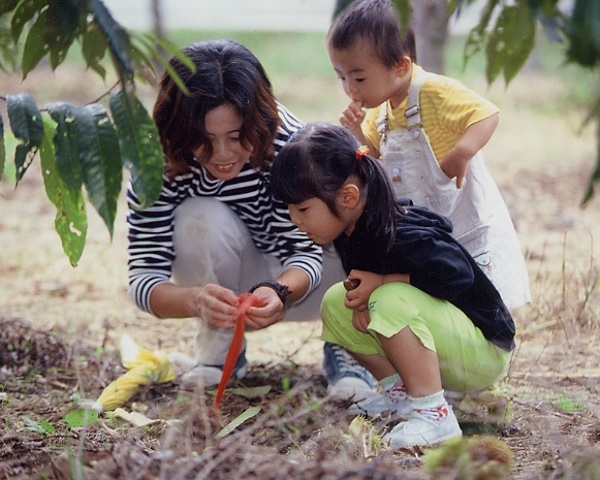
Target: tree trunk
{"x": 157, "y": 19}
{"x": 430, "y": 21}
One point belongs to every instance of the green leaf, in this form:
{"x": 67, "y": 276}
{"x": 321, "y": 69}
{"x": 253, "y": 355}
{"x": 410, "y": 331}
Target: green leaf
{"x": 403, "y": 8}
{"x": 251, "y": 392}
{"x": 93, "y": 48}
{"x": 59, "y": 39}
{"x": 80, "y": 418}
{"x": 68, "y": 15}
{"x": 510, "y": 43}
{"x": 100, "y": 160}
{"x": 477, "y": 36}
{"x": 237, "y": 421}
{"x": 25, "y": 11}
{"x": 7, "y": 6}
{"x": 147, "y": 43}
{"x": 47, "y": 427}
{"x": 35, "y": 45}
{"x": 67, "y": 146}
{"x": 155, "y": 52}
{"x": 174, "y": 51}
{"x": 33, "y": 426}
{"x": 117, "y": 38}
{"x": 141, "y": 150}
{"x": 43, "y": 428}
{"x": 27, "y": 127}
{"x": 584, "y": 35}
{"x": 142, "y": 59}
{"x": 2, "y": 147}
{"x": 71, "y": 218}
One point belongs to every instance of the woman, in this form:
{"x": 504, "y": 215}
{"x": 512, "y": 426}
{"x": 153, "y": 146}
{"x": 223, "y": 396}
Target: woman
{"x": 216, "y": 230}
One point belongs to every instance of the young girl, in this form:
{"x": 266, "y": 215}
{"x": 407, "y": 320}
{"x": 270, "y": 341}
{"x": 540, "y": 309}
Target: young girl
{"x": 424, "y": 317}
{"x": 428, "y": 130}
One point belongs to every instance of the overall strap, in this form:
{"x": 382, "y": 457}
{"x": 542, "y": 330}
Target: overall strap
{"x": 382, "y": 122}
{"x": 413, "y": 112}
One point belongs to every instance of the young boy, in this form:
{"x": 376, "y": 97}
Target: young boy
{"x": 428, "y": 130}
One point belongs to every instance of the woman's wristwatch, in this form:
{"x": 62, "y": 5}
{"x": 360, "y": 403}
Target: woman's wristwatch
{"x": 282, "y": 290}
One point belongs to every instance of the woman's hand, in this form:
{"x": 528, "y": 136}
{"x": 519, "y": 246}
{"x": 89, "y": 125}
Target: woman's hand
{"x": 270, "y": 312}
{"x": 216, "y": 305}
{"x": 358, "y": 298}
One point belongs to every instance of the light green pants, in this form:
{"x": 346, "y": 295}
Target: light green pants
{"x": 467, "y": 360}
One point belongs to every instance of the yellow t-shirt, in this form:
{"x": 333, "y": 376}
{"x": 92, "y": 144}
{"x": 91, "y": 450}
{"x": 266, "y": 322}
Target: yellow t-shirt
{"x": 447, "y": 109}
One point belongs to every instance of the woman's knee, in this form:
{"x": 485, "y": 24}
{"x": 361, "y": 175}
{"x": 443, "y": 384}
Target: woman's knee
{"x": 209, "y": 241}
{"x": 203, "y": 223}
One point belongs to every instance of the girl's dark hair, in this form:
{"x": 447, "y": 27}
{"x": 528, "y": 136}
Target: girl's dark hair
{"x": 316, "y": 163}
{"x": 377, "y": 22}
{"x": 227, "y": 73}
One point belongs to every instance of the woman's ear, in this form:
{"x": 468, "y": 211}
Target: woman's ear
{"x": 350, "y": 195}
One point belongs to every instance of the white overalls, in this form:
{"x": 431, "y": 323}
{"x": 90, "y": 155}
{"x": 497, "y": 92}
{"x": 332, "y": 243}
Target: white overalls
{"x": 481, "y": 220}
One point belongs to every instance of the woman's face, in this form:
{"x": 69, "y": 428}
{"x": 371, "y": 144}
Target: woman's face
{"x": 223, "y": 125}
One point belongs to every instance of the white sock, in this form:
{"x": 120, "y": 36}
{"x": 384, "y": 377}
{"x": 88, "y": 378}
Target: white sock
{"x": 393, "y": 388}
{"x": 433, "y": 407}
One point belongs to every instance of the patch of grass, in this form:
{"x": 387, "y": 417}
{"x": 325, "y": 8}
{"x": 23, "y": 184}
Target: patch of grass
{"x": 281, "y": 53}
{"x": 567, "y": 404}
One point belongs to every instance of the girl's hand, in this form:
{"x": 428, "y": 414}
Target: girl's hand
{"x": 216, "y": 305}
{"x": 358, "y": 298}
{"x": 270, "y": 312}
{"x": 361, "y": 320}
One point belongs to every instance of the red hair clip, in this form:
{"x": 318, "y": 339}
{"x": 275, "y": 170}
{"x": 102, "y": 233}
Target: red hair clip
{"x": 361, "y": 152}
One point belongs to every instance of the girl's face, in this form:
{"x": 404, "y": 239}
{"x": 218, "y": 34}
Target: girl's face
{"x": 318, "y": 222}
{"x": 366, "y": 79}
{"x": 223, "y": 125}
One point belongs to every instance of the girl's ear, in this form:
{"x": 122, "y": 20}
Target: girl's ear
{"x": 402, "y": 66}
{"x": 350, "y": 195}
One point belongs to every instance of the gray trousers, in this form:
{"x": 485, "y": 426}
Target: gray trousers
{"x": 212, "y": 245}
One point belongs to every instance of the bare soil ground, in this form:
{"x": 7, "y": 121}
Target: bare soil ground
{"x": 60, "y": 329}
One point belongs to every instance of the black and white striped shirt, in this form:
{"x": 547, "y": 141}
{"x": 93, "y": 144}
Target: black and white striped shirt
{"x": 151, "y": 252}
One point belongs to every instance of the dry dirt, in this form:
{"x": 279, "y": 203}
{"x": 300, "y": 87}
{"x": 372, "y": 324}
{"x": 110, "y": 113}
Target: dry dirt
{"x": 60, "y": 329}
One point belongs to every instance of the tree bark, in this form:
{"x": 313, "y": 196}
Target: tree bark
{"x": 157, "y": 19}
{"x": 429, "y": 20}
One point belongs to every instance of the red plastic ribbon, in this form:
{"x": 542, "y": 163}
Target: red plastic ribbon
{"x": 246, "y": 300}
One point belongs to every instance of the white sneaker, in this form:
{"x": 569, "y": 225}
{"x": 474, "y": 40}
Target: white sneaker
{"x": 345, "y": 376}
{"x": 419, "y": 430}
{"x": 377, "y": 403}
{"x": 204, "y": 376}
{"x": 201, "y": 376}
{"x": 350, "y": 388}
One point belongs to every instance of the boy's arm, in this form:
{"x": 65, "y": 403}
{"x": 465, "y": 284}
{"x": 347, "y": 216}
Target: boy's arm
{"x": 456, "y": 161}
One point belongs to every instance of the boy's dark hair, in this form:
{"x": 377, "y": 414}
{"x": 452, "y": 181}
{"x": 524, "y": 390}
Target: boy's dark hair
{"x": 227, "y": 73}
{"x": 316, "y": 163}
{"x": 377, "y": 22}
